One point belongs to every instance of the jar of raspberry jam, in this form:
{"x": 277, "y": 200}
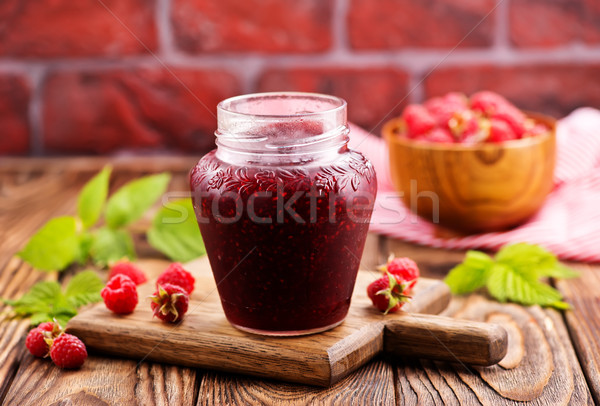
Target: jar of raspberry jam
{"x": 284, "y": 208}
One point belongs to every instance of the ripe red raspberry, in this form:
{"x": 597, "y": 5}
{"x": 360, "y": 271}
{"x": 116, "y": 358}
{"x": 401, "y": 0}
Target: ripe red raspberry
{"x": 388, "y": 293}
{"x": 464, "y": 125}
{"x": 493, "y": 105}
{"x": 439, "y": 135}
{"x": 442, "y": 109}
{"x": 169, "y": 302}
{"x": 39, "y": 339}
{"x": 488, "y": 102}
{"x": 500, "y": 131}
{"x": 176, "y": 275}
{"x": 513, "y": 117}
{"x": 120, "y": 295}
{"x": 404, "y": 268}
{"x": 418, "y": 120}
{"x": 128, "y": 269}
{"x": 68, "y": 351}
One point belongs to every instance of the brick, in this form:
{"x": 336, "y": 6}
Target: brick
{"x": 544, "y": 24}
{"x": 591, "y": 25}
{"x": 551, "y": 89}
{"x": 266, "y": 26}
{"x": 133, "y": 109}
{"x": 391, "y": 24}
{"x": 14, "y": 102}
{"x": 67, "y": 28}
{"x": 371, "y": 93}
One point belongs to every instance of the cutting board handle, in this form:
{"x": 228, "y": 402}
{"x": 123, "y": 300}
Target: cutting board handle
{"x": 444, "y": 338}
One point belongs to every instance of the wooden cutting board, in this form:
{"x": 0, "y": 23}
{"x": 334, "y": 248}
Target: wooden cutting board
{"x": 205, "y": 339}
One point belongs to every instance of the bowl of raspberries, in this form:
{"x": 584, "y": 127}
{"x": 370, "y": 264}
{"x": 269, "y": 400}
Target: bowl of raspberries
{"x": 472, "y": 164}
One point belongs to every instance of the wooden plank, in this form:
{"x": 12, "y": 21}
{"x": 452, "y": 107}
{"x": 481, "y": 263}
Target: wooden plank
{"x": 101, "y": 381}
{"x": 546, "y": 372}
{"x": 372, "y": 384}
{"x": 583, "y": 321}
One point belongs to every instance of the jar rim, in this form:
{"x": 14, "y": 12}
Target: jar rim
{"x": 338, "y": 104}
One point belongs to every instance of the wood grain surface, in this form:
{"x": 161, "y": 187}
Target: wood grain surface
{"x": 583, "y": 321}
{"x": 32, "y": 191}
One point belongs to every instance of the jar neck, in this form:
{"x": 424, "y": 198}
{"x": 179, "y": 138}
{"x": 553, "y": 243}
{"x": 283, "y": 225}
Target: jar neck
{"x": 281, "y": 128}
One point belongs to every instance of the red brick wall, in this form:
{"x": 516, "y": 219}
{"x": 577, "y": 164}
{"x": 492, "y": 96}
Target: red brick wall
{"x": 102, "y": 76}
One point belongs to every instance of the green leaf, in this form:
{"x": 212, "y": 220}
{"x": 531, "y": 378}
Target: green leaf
{"x": 84, "y": 288}
{"x": 131, "y": 201}
{"x": 111, "y": 245}
{"x": 560, "y": 271}
{"x": 45, "y": 300}
{"x": 471, "y": 275}
{"x": 92, "y": 198}
{"x": 85, "y": 244}
{"x": 40, "y": 298}
{"x": 54, "y": 246}
{"x": 505, "y": 283}
{"x": 175, "y": 232}
{"x": 527, "y": 258}
{"x": 38, "y": 318}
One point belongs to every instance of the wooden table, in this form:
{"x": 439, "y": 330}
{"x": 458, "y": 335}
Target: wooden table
{"x": 554, "y": 357}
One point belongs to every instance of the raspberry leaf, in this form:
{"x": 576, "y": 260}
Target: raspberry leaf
{"x": 84, "y": 288}
{"x": 43, "y": 302}
{"x": 54, "y": 246}
{"x": 92, "y": 198}
{"x": 175, "y": 232}
{"x": 110, "y": 245}
{"x": 46, "y": 301}
{"x": 506, "y": 283}
{"x": 471, "y": 275}
{"x": 131, "y": 201}
{"x": 513, "y": 276}
{"x": 526, "y": 258}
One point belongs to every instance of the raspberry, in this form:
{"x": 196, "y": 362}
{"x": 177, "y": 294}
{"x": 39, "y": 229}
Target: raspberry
{"x": 388, "y": 293}
{"x": 128, "y": 269}
{"x": 39, "y": 338}
{"x": 464, "y": 125}
{"x": 176, "y": 275}
{"x": 120, "y": 295}
{"x": 169, "y": 302}
{"x": 500, "y": 131}
{"x": 439, "y": 135}
{"x": 513, "y": 117}
{"x": 488, "y": 102}
{"x": 68, "y": 351}
{"x": 443, "y": 109}
{"x": 404, "y": 268}
{"x": 418, "y": 120}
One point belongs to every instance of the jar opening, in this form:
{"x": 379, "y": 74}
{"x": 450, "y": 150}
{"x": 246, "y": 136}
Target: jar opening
{"x": 266, "y": 126}
{"x": 282, "y": 105}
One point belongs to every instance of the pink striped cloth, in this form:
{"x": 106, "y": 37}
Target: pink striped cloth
{"x": 568, "y": 224}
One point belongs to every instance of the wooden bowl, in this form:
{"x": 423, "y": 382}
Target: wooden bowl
{"x": 478, "y": 188}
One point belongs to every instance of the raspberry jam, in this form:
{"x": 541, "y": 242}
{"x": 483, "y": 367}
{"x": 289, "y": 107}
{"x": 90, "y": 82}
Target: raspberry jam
{"x": 283, "y": 207}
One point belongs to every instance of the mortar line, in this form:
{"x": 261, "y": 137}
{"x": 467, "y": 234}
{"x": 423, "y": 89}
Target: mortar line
{"x": 35, "y": 111}
{"x": 409, "y": 59}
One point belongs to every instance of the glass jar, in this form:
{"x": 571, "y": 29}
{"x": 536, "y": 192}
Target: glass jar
{"x": 283, "y": 207}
